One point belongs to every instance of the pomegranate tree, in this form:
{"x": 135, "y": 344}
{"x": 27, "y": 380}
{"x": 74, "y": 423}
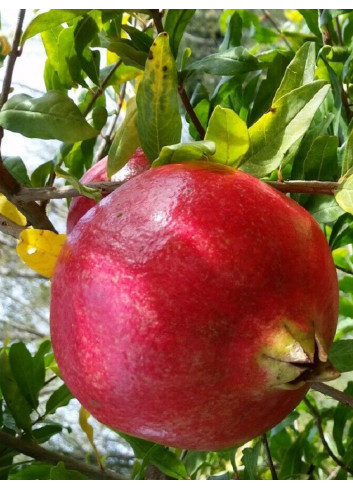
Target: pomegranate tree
{"x": 193, "y": 306}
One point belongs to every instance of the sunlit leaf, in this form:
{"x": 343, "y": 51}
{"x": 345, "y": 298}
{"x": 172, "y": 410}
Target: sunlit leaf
{"x": 185, "y": 152}
{"x": 344, "y": 194}
{"x": 39, "y": 249}
{"x": 175, "y": 24}
{"x": 300, "y": 71}
{"x": 158, "y": 117}
{"x": 52, "y": 116}
{"x": 48, "y": 20}
{"x": 285, "y": 123}
{"x": 230, "y": 134}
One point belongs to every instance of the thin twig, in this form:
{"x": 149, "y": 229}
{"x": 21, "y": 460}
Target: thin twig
{"x": 269, "y": 457}
{"x": 327, "y": 390}
{"x": 15, "y": 52}
{"x": 37, "y": 452}
{"x": 320, "y": 430}
{"x": 108, "y": 135}
{"x": 190, "y": 110}
{"x": 269, "y": 17}
{"x": 101, "y": 88}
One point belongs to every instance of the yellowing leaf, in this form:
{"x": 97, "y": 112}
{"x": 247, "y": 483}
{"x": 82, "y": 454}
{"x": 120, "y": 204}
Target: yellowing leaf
{"x": 230, "y": 134}
{"x": 292, "y": 15}
{"x": 8, "y": 210}
{"x": 88, "y": 429}
{"x": 39, "y": 249}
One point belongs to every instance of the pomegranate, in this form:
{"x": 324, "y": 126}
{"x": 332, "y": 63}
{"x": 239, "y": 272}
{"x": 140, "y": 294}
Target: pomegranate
{"x": 98, "y": 173}
{"x": 193, "y": 306}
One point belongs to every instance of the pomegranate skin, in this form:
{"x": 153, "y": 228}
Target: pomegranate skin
{"x": 169, "y": 295}
{"x": 138, "y": 163}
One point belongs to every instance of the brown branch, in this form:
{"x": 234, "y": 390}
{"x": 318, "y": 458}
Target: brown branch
{"x": 15, "y": 52}
{"x": 320, "y": 430}
{"x": 37, "y": 452}
{"x": 190, "y": 110}
{"x": 269, "y": 457}
{"x": 327, "y": 390}
{"x": 42, "y": 193}
{"x": 157, "y": 19}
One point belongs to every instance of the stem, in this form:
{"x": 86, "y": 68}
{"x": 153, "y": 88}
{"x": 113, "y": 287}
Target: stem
{"x": 108, "y": 135}
{"x": 320, "y": 430}
{"x": 189, "y": 109}
{"x": 157, "y": 19}
{"x": 100, "y": 89}
{"x": 37, "y": 452}
{"x": 42, "y": 193}
{"x": 269, "y": 457}
{"x": 269, "y": 17}
{"x": 332, "y": 392}
{"x": 15, "y": 52}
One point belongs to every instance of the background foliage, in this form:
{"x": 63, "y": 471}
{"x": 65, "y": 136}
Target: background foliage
{"x": 269, "y": 92}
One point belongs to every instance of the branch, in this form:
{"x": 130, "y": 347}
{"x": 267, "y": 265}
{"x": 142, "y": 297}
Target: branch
{"x": 269, "y": 457}
{"x": 190, "y": 110}
{"x": 37, "y": 452}
{"x": 327, "y": 390}
{"x": 157, "y": 19}
{"x": 15, "y": 52}
{"x": 27, "y": 194}
{"x": 317, "y": 420}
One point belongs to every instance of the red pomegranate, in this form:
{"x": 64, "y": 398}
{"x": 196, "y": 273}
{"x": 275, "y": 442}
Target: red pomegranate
{"x": 138, "y": 163}
{"x": 193, "y": 306}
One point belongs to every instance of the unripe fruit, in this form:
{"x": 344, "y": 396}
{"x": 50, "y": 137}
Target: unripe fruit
{"x": 138, "y": 163}
{"x": 193, "y": 306}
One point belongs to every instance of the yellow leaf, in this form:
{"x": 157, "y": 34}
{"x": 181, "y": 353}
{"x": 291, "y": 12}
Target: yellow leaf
{"x": 88, "y": 429}
{"x": 39, "y": 249}
{"x": 293, "y": 15}
{"x": 8, "y": 210}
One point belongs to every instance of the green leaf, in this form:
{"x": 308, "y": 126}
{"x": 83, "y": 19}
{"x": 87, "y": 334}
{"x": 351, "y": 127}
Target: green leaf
{"x": 250, "y": 461}
{"x": 141, "y": 41}
{"x": 347, "y": 163}
{"x": 17, "y": 168}
{"x": 21, "y": 362}
{"x": 60, "y": 472}
{"x": 49, "y": 20}
{"x": 311, "y": 17}
{"x": 52, "y": 116}
{"x": 233, "y": 34}
{"x": 15, "y": 401}
{"x": 32, "y": 471}
{"x": 342, "y": 232}
{"x": 127, "y": 52}
{"x": 158, "y": 117}
{"x": 300, "y": 71}
{"x": 202, "y": 111}
{"x": 44, "y": 433}
{"x": 341, "y": 355}
{"x": 324, "y": 208}
{"x": 292, "y": 465}
{"x": 328, "y": 14}
{"x": 41, "y": 174}
{"x": 230, "y": 134}
{"x": 286, "y": 123}
{"x": 263, "y": 97}
{"x": 125, "y": 141}
{"x": 59, "y": 398}
{"x": 340, "y": 418}
{"x": 227, "y": 63}
{"x": 184, "y": 152}
{"x": 161, "y": 457}
{"x": 175, "y": 23}
{"x": 321, "y": 160}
